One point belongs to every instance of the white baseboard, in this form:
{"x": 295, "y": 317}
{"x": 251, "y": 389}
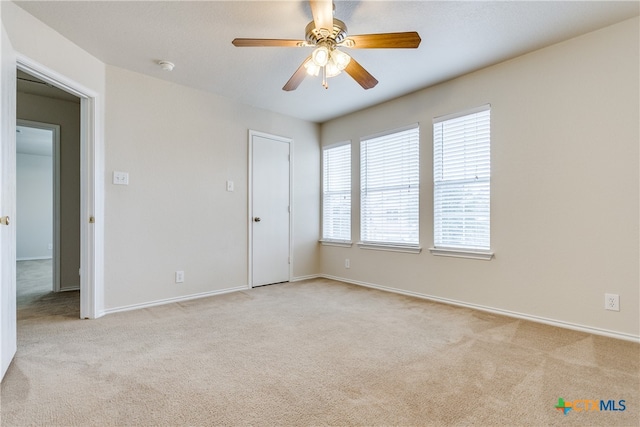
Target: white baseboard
{"x": 308, "y": 277}
{"x": 36, "y": 258}
{"x": 172, "y": 300}
{"x": 192, "y": 296}
{"x": 508, "y": 313}
{"x": 532, "y": 318}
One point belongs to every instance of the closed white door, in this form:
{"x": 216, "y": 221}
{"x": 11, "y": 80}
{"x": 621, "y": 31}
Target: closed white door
{"x": 8, "y": 333}
{"x": 270, "y": 209}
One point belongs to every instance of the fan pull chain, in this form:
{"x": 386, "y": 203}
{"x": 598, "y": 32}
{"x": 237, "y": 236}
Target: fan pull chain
{"x": 324, "y": 78}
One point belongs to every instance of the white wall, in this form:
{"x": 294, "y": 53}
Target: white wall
{"x": 565, "y": 186}
{"x": 34, "y": 40}
{"x": 34, "y": 206}
{"x": 179, "y": 147}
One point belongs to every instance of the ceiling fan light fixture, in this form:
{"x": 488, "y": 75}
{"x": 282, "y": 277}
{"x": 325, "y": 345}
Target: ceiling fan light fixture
{"x": 312, "y": 68}
{"x": 340, "y": 59}
{"x": 320, "y": 56}
{"x": 326, "y": 33}
{"x": 332, "y": 70}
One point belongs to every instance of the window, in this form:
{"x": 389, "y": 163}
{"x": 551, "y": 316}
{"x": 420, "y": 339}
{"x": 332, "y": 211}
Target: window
{"x": 389, "y": 184}
{"x": 461, "y": 176}
{"x": 336, "y": 193}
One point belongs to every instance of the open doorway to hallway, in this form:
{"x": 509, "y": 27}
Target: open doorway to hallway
{"x": 48, "y": 194}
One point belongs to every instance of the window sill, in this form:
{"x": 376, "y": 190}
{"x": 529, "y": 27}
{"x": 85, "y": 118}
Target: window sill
{"x": 391, "y": 248}
{"x": 462, "y": 253}
{"x": 339, "y": 243}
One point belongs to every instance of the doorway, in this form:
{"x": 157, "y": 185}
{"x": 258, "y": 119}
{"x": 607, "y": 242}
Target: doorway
{"x": 37, "y": 208}
{"x": 42, "y": 110}
{"x": 270, "y": 209}
{"x": 90, "y": 192}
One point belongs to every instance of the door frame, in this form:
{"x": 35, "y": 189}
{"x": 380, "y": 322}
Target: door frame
{"x": 91, "y": 185}
{"x": 289, "y": 141}
{"x": 56, "y": 193}
{"x": 8, "y": 312}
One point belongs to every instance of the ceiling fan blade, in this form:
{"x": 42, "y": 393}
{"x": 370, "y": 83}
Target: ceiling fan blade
{"x": 322, "y": 11}
{"x": 359, "y": 74}
{"x": 297, "y": 77}
{"x": 266, "y": 43}
{"x": 408, "y": 40}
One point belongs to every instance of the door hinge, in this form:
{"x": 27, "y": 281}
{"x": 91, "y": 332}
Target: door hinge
{"x": 92, "y": 219}
{"x": 289, "y": 260}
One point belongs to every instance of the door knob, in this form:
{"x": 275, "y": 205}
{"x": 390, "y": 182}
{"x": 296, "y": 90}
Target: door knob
{"x": 256, "y": 219}
{"x": 4, "y": 220}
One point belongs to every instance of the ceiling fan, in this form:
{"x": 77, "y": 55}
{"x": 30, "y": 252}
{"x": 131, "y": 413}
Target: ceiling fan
{"x": 326, "y": 34}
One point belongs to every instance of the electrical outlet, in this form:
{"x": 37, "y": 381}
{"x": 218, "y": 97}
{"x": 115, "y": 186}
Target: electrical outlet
{"x": 612, "y": 302}
{"x": 179, "y": 276}
{"x": 347, "y": 263}
{"x": 120, "y": 178}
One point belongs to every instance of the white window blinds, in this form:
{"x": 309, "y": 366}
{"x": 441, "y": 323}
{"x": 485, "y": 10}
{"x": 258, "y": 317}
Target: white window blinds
{"x": 461, "y": 174}
{"x": 336, "y": 193}
{"x": 390, "y": 176}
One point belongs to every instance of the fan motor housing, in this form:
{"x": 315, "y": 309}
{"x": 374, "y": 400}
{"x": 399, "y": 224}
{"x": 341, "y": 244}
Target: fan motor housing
{"x": 338, "y": 34}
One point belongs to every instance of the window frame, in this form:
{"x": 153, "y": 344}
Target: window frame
{"x": 456, "y": 250}
{"x": 329, "y": 241}
{"x": 389, "y": 245}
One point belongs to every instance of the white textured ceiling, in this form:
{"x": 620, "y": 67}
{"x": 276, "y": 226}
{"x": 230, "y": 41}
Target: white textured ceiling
{"x": 457, "y": 38}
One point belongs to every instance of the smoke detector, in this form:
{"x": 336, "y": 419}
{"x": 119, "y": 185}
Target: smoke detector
{"x": 166, "y": 65}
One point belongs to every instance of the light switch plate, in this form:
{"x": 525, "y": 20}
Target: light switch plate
{"x": 229, "y": 185}
{"x": 120, "y": 178}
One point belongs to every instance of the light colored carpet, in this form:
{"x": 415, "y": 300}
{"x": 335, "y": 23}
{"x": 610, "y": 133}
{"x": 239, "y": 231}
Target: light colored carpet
{"x": 317, "y": 352}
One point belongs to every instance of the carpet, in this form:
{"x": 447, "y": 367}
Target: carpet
{"x": 317, "y": 352}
